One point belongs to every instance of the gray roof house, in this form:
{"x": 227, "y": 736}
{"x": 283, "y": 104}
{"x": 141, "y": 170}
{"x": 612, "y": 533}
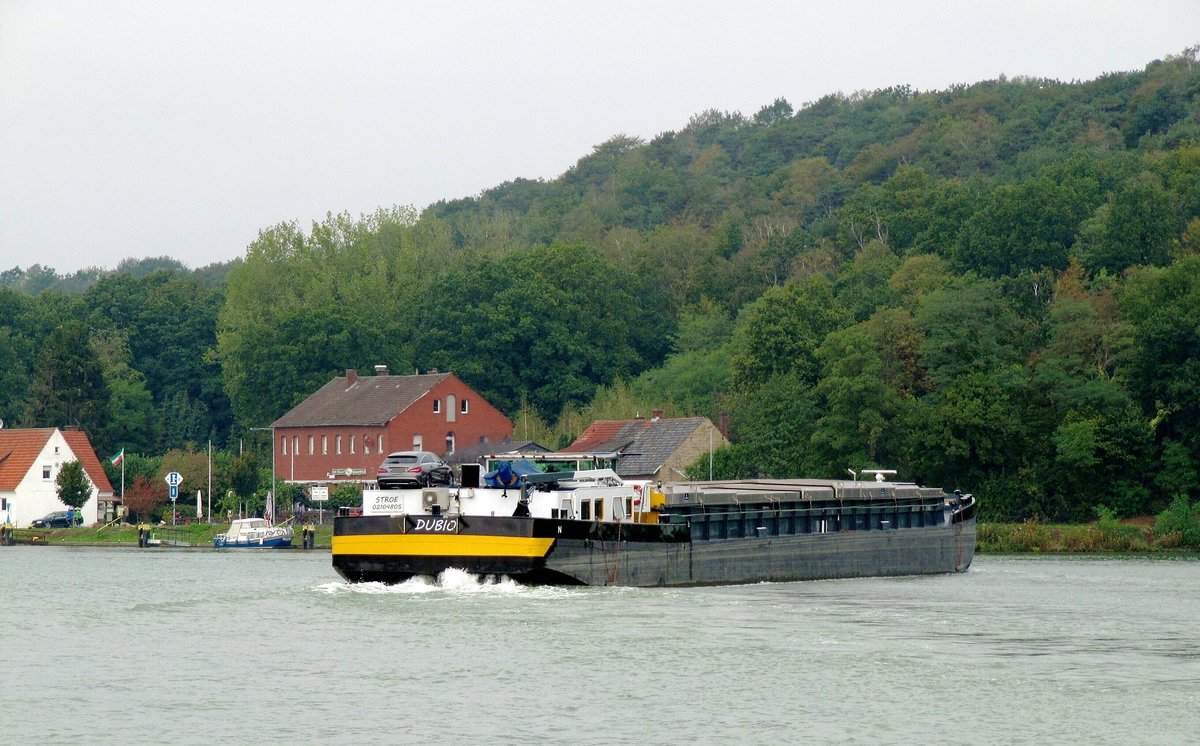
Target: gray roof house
{"x": 656, "y": 448}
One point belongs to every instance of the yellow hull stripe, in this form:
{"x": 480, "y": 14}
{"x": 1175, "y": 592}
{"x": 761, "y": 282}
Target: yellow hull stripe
{"x": 441, "y": 545}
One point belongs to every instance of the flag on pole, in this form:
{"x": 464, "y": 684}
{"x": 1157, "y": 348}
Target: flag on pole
{"x": 118, "y": 459}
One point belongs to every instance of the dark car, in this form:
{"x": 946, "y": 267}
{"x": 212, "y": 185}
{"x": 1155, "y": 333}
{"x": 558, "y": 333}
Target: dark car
{"x": 412, "y": 469}
{"x": 57, "y": 519}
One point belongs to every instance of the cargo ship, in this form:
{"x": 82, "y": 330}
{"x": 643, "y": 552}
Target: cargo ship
{"x": 590, "y": 527}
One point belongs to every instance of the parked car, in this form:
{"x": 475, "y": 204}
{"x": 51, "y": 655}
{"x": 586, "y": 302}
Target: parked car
{"x": 57, "y": 519}
{"x": 412, "y": 469}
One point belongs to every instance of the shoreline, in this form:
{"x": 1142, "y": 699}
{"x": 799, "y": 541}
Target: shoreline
{"x": 1030, "y": 537}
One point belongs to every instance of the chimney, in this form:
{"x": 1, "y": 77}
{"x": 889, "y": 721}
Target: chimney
{"x": 656, "y": 415}
{"x": 381, "y": 370}
{"x": 351, "y": 376}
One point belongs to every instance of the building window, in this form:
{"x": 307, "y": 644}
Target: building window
{"x": 324, "y": 445}
{"x": 283, "y": 445}
{"x": 3, "y": 503}
{"x": 380, "y": 443}
{"x": 367, "y": 444}
{"x": 295, "y": 445}
{"x": 437, "y": 406}
{"x": 449, "y": 443}
{"x": 351, "y": 444}
{"x": 311, "y": 451}
{"x": 418, "y": 442}
{"x": 45, "y": 472}
{"x": 450, "y": 408}
{"x": 465, "y": 408}
{"x": 339, "y": 445}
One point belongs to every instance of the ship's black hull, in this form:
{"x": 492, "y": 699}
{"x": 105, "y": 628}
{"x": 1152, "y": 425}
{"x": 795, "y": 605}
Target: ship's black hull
{"x": 391, "y": 549}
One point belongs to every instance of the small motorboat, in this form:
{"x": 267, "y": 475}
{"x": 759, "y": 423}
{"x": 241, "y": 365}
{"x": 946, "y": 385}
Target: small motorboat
{"x": 254, "y": 533}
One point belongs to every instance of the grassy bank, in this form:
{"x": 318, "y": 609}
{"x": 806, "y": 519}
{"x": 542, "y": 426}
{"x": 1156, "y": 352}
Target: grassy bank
{"x": 196, "y": 534}
{"x": 1102, "y": 536}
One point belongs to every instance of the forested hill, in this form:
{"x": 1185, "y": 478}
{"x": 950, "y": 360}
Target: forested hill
{"x": 724, "y": 171}
{"x": 993, "y": 288}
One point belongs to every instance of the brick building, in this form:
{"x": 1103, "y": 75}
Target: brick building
{"x": 343, "y": 431}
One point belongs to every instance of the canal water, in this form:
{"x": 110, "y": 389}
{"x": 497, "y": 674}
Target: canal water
{"x": 153, "y": 646}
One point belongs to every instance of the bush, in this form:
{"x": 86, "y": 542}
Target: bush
{"x": 1183, "y": 518}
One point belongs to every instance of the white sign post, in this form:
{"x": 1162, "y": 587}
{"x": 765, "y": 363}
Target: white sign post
{"x": 174, "y": 479}
{"x": 319, "y": 494}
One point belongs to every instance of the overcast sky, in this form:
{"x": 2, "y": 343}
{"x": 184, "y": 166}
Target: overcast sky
{"x": 134, "y": 129}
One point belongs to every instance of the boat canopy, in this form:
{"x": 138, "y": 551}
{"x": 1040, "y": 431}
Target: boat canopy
{"x": 242, "y": 525}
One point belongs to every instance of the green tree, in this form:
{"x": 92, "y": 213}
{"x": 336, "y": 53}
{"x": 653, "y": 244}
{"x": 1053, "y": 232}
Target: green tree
{"x": 862, "y": 285}
{"x": 68, "y": 385}
{"x": 1163, "y": 370}
{"x": 774, "y": 423}
{"x": 731, "y": 462}
{"x": 860, "y": 413}
{"x": 303, "y": 308}
{"x": 1091, "y": 442}
{"x": 162, "y": 328}
{"x": 967, "y": 429}
{"x": 133, "y": 421}
{"x": 917, "y": 276}
{"x": 697, "y": 372}
{"x": 1135, "y": 226}
{"x": 549, "y": 324}
{"x": 779, "y": 333}
{"x": 73, "y": 487}
{"x": 1029, "y": 225}
{"x": 967, "y": 326}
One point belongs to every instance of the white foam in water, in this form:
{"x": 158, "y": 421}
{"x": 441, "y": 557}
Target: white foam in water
{"x": 453, "y": 582}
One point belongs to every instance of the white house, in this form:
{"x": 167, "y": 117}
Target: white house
{"x": 30, "y": 460}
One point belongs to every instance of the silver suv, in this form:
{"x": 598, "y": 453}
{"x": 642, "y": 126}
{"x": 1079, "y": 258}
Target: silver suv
{"x": 412, "y": 469}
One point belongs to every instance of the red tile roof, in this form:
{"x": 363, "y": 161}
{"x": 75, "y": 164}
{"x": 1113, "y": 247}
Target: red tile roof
{"x": 597, "y": 435}
{"x": 18, "y": 450}
{"x": 82, "y": 448}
